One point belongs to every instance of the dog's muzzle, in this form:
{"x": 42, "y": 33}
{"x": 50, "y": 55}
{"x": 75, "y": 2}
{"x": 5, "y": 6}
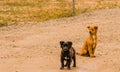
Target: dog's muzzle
{"x": 65, "y": 49}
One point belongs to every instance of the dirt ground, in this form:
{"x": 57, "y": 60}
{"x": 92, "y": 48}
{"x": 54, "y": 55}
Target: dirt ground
{"x": 34, "y": 47}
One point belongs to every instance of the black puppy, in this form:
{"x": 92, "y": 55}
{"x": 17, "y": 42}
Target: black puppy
{"x": 67, "y": 54}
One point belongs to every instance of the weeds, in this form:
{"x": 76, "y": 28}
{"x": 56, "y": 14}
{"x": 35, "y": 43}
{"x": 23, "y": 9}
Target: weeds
{"x": 15, "y": 11}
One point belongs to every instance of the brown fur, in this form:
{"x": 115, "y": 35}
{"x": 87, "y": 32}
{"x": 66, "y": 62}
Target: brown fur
{"x": 89, "y": 46}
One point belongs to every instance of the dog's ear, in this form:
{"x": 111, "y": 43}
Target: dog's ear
{"x": 61, "y": 43}
{"x": 96, "y": 27}
{"x": 70, "y": 43}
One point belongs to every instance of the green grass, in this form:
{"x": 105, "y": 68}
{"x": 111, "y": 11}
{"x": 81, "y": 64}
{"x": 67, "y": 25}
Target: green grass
{"x": 3, "y": 22}
{"x": 16, "y": 11}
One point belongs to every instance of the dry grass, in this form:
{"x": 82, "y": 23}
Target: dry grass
{"x": 16, "y": 11}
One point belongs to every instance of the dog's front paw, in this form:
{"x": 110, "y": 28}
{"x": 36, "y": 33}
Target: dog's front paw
{"x": 74, "y": 65}
{"x": 61, "y": 68}
{"x": 78, "y": 53}
{"x": 65, "y": 65}
{"x": 92, "y": 56}
{"x": 68, "y": 68}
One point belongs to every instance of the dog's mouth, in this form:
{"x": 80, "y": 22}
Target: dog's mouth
{"x": 65, "y": 50}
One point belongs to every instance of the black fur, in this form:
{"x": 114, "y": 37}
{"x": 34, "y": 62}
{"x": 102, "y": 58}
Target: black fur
{"x": 67, "y": 54}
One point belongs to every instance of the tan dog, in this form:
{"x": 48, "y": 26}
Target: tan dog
{"x": 89, "y": 46}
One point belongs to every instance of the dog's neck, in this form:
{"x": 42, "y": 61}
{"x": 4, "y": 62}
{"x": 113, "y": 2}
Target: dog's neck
{"x": 65, "y": 53}
{"x": 94, "y": 39}
{"x": 93, "y": 36}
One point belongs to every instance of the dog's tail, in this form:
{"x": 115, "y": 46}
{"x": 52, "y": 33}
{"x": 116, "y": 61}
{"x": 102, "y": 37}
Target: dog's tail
{"x": 78, "y": 53}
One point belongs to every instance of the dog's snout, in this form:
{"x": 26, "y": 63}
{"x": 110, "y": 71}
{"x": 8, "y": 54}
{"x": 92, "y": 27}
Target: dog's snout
{"x": 65, "y": 49}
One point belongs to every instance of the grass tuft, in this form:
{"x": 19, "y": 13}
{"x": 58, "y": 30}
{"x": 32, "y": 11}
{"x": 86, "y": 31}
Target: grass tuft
{"x": 15, "y": 11}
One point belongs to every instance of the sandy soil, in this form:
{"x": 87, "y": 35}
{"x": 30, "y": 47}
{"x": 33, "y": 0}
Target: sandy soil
{"x": 34, "y": 47}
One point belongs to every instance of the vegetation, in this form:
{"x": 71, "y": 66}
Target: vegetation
{"x": 17, "y": 11}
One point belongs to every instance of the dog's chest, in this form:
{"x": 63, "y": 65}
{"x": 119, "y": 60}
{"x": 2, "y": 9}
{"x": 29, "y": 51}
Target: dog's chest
{"x": 94, "y": 41}
{"x": 66, "y": 58}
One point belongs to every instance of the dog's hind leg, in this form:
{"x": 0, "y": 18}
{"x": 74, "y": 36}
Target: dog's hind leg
{"x": 74, "y": 60}
{"x": 83, "y": 52}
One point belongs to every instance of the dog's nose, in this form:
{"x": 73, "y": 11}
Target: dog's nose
{"x": 90, "y": 32}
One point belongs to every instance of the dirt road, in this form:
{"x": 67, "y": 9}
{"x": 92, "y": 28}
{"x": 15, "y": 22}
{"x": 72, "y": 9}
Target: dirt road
{"x": 34, "y": 47}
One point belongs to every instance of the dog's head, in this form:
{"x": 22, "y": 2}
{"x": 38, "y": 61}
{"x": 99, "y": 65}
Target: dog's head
{"x": 65, "y": 45}
{"x": 92, "y": 29}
